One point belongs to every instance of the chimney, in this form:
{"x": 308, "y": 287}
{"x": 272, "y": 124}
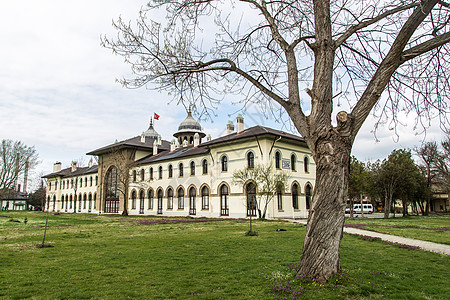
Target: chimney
{"x": 239, "y": 123}
{"x": 25, "y": 177}
{"x": 74, "y": 166}
{"x": 172, "y": 146}
{"x": 159, "y": 140}
{"x": 230, "y": 127}
{"x": 143, "y": 138}
{"x": 208, "y": 138}
{"x": 196, "y": 139}
{"x": 155, "y": 147}
{"x": 56, "y": 167}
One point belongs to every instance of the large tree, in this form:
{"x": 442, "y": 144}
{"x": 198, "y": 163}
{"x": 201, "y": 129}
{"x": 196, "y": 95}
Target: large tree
{"x": 15, "y": 159}
{"x": 271, "y": 51}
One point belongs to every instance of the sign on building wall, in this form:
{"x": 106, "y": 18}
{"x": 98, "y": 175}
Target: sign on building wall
{"x": 286, "y": 164}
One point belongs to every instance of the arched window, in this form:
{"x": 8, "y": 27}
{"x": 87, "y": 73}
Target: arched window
{"x": 279, "y": 198}
{"x": 160, "y": 172}
{"x": 134, "y": 175}
{"x": 205, "y": 198}
{"x": 90, "y": 181}
{"x": 295, "y": 196}
{"x": 251, "y": 199}
{"x": 90, "y": 201}
{"x": 133, "y": 200}
{"x": 205, "y": 166}
{"x": 192, "y": 194}
{"x": 111, "y": 191}
{"x": 277, "y": 160}
{"x": 79, "y": 202}
{"x": 84, "y": 201}
{"x": 224, "y": 209}
{"x": 95, "y": 200}
{"x": 306, "y": 164}
{"x": 308, "y": 196}
{"x": 180, "y": 198}
{"x": 81, "y": 182}
{"x": 250, "y": 160}
{"x": 62, "y": 202}
{"x": 71, "y": 200}
{"x": 96, "y": 180}
{"x": 160, "y": 201}
{"x": 142, "y": 174}
{"x": 191, "y": 140}
{"x": 170, "y": 171}
{"x": 180, "y": 167}
{"x": 151, "y": 173}
{"x": 85, "y": 181}
{"x": 169, "y": 199}
{"x": 54, "y": 202}
{"x": 150, "y": 199}
{"x": 141, "y": 201}
{"x": 293, "y": 160}
{"x": 192, "y": 168}
{"x": 224, "y": 162}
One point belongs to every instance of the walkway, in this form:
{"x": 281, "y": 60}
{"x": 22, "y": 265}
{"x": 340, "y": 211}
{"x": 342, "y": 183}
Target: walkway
{"x": 424, "y": 245}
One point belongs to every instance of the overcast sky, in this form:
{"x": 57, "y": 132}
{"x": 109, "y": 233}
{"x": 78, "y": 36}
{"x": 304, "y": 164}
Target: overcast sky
{"x": 58, "y": 90}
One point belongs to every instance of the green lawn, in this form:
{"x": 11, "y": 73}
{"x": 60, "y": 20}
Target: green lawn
{"x": 434, "y": 229}
{"x": 112, "y": 257}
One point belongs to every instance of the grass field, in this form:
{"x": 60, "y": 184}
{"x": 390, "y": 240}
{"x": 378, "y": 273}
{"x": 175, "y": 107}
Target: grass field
{"x": 434, "y": 229}
{"x": 112, "y": 257}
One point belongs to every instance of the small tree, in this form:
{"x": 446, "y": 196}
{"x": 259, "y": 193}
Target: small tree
{"x": 267, "y": 183}
{"x": 358, "y": 182}
{"x": 37, "y": 198}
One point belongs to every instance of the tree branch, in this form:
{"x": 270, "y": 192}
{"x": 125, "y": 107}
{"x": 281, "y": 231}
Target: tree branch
{"x": 425, "y": 47}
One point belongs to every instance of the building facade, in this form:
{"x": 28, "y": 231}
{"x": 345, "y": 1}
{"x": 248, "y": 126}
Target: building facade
{"x": 146, "y": 175}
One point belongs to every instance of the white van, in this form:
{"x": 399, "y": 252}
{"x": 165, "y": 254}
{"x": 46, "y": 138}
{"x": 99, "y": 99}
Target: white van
{"x": 367, "y": 208}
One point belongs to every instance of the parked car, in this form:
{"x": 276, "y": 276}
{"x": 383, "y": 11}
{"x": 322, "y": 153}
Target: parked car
{"x": 367, "y": 208}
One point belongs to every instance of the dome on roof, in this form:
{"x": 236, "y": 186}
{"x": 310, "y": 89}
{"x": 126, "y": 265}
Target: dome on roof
{"x": 189, "y": 127}
{"x": 151, "y": 132}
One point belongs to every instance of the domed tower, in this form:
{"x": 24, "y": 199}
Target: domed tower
{"x": 151, "y": 132}
{"x": 187, "y": 130}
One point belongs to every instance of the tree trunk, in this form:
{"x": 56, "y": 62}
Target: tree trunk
{"x": 321, "y": 250}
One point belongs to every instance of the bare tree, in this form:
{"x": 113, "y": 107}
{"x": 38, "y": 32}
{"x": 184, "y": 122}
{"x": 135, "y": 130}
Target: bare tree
{"x": 15, "y": 157}
{"x": 428, "y": 154}
{"x": 268, "y": 182}
{"x": 443, "y": 165}
{"x": 345, "y": 50}
{"x": 123, "y": 160}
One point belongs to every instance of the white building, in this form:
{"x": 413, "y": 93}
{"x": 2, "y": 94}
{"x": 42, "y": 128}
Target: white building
{"x": 186, "y": 176}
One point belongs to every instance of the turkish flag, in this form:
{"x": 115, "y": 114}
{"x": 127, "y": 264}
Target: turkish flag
{"x": 156, "y": 116}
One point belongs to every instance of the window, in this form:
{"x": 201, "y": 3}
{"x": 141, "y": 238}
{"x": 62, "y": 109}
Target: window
{"x": 79, "y": 202}
{"x": 142, "y": 174}
{"x": 151, "y": 173}
{"x": 134, "y": 175}
{"x": 169, "y": 199}
{"x": 95, "y": 200}
{"x": 180, "y": 198}
{"x": 90, "y": 180}
{"x": 277, "y": 160}
{"x": 205, "y": 166}
{"x": 141, "y": 201}
{"x": 308, "y": 196}
{"x": 84, "y": 201}
{"x": 251, "y": 199}
{"x": 81, "y": 182}
{"x": 160, "y": 172}
{"x": 112, "y": 191}
{"x": 224, "y": 210}
{"x": 192, "y": 168}
{"x": 96, "y": 180}
{"x": 62, "y": 202}
{"x": 150, "y": 199}
{"x": 71, "y": 183}
{"x": 293, "y": 160}
{"x": 295, "y": 196}
{"x": 85, "y": 181}
{"x": 192, "y": 193}
{"x": 224, "y": 162}
{"x": 71, "y": 200}
{"x": 180, "y": 167}
{"x": 133, "y": 200}
{"x": 170, "y": 171}
{"x": 306, "y": 164}
{"x": 279, "y": 199}
{"x": 90, "y": 201}
{"x": 49, "y": 186}
{"x": 160, "y": 201}
{"x": 250, "y": 160}
{"x": 64, "y": 185}
{"x": 205, "y": 198}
